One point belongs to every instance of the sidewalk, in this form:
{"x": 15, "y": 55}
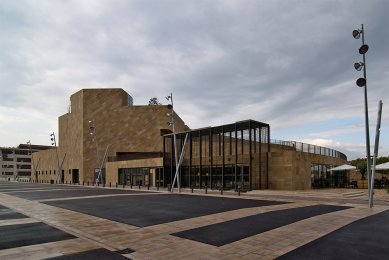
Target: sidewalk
{"x": 173, "y": 239}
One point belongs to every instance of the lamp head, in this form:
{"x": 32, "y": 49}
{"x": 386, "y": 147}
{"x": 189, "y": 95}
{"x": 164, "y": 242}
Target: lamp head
{"x": 357, "y": 34}
{"x": 363, "y": 49}
{"x": 169, "y": 106}
{"x": 358, "y": 66}
{"x": 361, "y": 82}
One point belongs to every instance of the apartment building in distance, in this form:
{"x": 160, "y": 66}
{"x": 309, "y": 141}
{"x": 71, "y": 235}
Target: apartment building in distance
{"x": 16, "y": 163}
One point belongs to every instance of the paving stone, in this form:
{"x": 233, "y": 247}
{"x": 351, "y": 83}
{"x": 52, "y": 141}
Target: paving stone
{"x": 153, "y": 242}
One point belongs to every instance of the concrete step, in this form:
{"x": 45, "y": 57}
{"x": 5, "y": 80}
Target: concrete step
{"x": 355, "y": 194}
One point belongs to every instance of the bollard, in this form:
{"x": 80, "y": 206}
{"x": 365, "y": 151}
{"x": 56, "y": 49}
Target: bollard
{"x": 148, "y": 186}
{"x": 87, "y": 183}
{"x": 98, "y": 184}
{"x": 192, "y": 188}
{"x": 103, "y": 184}
{"x": 116, "y": 185}
{"x": 110, "y": 184}
{"x": 221, "y": 191}
{"x": 123, "y": 186}
{"x": 157, "y": 186}
{"x": 131, "y": 185}
{"x": 139, "y": 185}
{"x": 238, "y": 191}
{"x": 206, "y": 189}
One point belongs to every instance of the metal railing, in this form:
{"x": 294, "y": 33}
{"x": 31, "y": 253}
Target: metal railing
{"x": 309, "y": 148}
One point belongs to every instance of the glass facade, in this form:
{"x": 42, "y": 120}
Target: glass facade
{"x": 321, "y": 177}
{"x": 134, "y": 176}
{"x": 224, "y": 157}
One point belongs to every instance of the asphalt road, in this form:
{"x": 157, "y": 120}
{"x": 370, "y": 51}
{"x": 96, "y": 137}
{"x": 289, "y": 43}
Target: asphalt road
{"x": 366, "y": 238}
{"x": 29, "y": 234}
{"x": 150, "y": 210}
{"x": 230, "y": 231}
{"x": 63, "y": 192}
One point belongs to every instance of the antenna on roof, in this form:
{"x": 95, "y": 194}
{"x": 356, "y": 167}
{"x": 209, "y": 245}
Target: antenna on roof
{"x": 70, "y": 107}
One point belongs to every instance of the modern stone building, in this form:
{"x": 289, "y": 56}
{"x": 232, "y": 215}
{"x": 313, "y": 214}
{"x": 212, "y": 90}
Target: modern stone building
{"x": 100, "y": 120}
{"x": 138, "y": 146}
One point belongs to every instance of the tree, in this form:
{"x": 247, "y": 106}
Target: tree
{"x": 361, "y": 164}
{"x": 154, "y": 102}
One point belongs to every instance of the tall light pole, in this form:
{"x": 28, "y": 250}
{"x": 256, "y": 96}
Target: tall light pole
{"x": 32, "y": 160}
{"x": 54, "y": 143}
{"x": 362, "y": 82}
{"x": 171, "y": 123}
{"x": 92, "y": 132}
{"x": 2, "y": 165}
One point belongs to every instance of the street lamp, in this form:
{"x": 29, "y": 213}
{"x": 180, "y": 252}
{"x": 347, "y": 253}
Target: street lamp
{"x": 171, "y": 124}
{"x": 54, "y": 143}
{"x": 362, "y": 82}
{"x": 92, "y": 132}
{"x": 2, "y": 166}
{"x": 32, "y": 160}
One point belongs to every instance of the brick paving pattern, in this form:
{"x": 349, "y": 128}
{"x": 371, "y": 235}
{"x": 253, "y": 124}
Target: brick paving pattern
{"x": 157, "y": 242}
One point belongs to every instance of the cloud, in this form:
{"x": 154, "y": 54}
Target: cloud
{"x": 287, "y": 63}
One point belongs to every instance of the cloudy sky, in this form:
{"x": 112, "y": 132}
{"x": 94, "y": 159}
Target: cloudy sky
{"x": 286, "y": 63}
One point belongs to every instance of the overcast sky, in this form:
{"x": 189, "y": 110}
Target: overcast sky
{"x": 286, "y": 63}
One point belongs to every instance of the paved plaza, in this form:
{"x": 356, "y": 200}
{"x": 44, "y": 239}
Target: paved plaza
{"x": 47, "y": 221}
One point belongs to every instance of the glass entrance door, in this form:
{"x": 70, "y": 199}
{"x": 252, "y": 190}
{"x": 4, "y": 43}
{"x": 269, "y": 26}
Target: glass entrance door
{"x": 243, "y": 176}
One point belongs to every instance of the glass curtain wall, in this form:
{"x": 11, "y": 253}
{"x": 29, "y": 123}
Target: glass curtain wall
{"x": 134, "y": 176}
{"x": 225, "y": 157}
{"x": 321, "y": 177}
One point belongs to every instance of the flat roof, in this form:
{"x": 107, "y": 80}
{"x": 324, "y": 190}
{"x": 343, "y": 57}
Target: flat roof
{"x": 238, "y": 126}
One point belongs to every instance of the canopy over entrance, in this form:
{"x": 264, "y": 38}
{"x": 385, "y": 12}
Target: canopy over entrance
{"x": 382, "y": 166}
{"x": 343, "y": 167}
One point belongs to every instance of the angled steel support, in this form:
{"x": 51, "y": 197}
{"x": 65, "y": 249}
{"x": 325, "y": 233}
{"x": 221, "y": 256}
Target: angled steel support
{"x": 176, "y": 176}
{"x": 376, "y": 144}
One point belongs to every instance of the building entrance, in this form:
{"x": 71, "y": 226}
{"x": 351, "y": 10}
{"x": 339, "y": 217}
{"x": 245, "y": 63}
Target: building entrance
{"x": 134, "y": 176}
{"x": 75, "y": 176}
